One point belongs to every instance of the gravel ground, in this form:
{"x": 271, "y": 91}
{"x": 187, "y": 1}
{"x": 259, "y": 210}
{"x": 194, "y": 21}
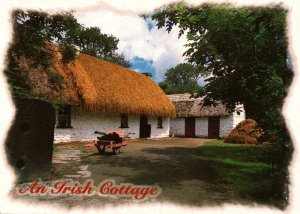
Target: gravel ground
{"x": 173, "y": 164}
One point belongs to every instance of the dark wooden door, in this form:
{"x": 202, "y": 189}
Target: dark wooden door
{"x": 145, "y": 128}
{"x": 213, "y": 127}
{"x": 190, "y": 127}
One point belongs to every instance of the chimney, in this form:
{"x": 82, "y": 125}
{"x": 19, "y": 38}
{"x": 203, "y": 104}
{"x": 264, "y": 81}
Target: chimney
{"x": 147, "y": 74}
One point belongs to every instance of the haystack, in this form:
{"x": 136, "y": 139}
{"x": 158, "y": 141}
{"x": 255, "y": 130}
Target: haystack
{"x": 246, "y": 132}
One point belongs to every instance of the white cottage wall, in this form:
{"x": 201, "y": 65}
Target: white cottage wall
{"x": 85, "y": 123}
{"x": 159, "y": 132}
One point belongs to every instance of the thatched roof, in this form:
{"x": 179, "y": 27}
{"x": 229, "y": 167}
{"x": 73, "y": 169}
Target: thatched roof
{"x": 186, "y": 106}
{"x": 96, "y": 84}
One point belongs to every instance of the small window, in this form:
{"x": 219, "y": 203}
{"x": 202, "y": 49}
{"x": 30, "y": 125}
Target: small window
{"x": 64, "y": 117}
{"x": 160, "y": 122}
{"x": 124, "y": 121}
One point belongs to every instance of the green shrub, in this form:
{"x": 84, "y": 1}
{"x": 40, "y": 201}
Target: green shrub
{"x": 68, "y": 53}
{"x": 56, "y": 80}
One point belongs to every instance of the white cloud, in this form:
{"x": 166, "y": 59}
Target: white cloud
{"x": 136, "y": 40}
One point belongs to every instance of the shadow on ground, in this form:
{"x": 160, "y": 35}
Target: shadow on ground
{"x": 187, "y": 173}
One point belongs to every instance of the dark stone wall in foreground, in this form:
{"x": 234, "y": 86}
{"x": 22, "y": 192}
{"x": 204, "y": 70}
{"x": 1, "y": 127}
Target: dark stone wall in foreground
{"x": 29, "y": 144}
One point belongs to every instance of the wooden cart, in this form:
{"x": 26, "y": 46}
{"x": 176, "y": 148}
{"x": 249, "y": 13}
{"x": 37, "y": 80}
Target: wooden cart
{"x": 101, "y": 145}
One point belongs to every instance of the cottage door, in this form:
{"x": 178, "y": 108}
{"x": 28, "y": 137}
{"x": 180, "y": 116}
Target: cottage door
{"x": 213, "y": 127}
{"x": 189, "y": 127}
{"x": 145, "y": 128}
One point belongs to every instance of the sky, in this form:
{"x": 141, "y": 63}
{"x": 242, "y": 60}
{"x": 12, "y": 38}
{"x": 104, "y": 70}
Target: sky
{"x": 149, "y": 49}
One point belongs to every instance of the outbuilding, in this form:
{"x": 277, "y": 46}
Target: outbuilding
{"x": 195, "y": 120}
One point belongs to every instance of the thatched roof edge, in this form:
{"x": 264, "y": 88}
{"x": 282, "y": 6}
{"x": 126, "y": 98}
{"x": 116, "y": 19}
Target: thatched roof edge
{"x": 186, "y": 106}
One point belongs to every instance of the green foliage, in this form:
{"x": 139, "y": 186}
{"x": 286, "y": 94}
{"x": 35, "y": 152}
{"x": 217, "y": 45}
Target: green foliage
{"x": 118, "y": 59}
{"x": 243, "y": 49}
{"x": 92, "y": 41}
{"x": 250, "y": 176}
{"x": 191, "y": 87}
{"x": 181, "y": 79}
{"x": 18, "y": 83}
{"x": 68, "y": 53}
{"x": 56, "y": 80}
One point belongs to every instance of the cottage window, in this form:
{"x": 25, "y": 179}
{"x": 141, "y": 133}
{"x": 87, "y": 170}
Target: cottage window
{"x": 159, "y": 122}
{"x": 124, "y": 121}
{"x": 64, "y": 117}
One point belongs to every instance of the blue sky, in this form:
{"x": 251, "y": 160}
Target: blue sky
{"x": 141, "y": 65}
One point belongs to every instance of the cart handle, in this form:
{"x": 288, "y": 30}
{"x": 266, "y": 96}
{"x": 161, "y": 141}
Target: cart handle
{"x": 97, "y": 132}
{"x": 129, "y": 134}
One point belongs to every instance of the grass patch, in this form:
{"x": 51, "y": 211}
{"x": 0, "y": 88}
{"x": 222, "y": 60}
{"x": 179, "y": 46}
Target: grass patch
{"x": 239, "y": 168}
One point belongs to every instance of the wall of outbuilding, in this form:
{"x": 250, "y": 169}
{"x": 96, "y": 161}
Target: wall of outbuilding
{"x": 201, "y": 126}
{"x": 227, "y": 123}
{"x": 85, "y": 123}
{"x": 177, "y": 127}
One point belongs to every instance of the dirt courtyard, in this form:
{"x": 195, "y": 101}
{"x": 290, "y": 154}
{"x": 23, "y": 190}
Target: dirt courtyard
{"x": 173, "y": 164}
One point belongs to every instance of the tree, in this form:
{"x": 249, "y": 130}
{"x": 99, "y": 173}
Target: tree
{"x": 243, "y": 49}
{"x": 92, "y": 41}
{"x": 32, "y": 31}
{"x": 181, "y": 79}
{"x": 118, "y": 59}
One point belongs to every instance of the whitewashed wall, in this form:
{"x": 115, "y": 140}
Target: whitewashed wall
{"x": 226, "y": 125}
{"x": 239, "y": 118}
{"x": 159, "y": 132}
{"x": 85, "y": 123}
{"x": 177, "y": 127}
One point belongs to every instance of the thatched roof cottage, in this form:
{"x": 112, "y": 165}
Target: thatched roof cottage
{"x": 194, "y": 120}
{"x": 97, "y": 95}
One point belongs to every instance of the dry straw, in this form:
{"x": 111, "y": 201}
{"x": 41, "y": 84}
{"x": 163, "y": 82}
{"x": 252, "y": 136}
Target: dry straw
{"x": 186, "y": 106}
{"x": 99, "y": 85}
